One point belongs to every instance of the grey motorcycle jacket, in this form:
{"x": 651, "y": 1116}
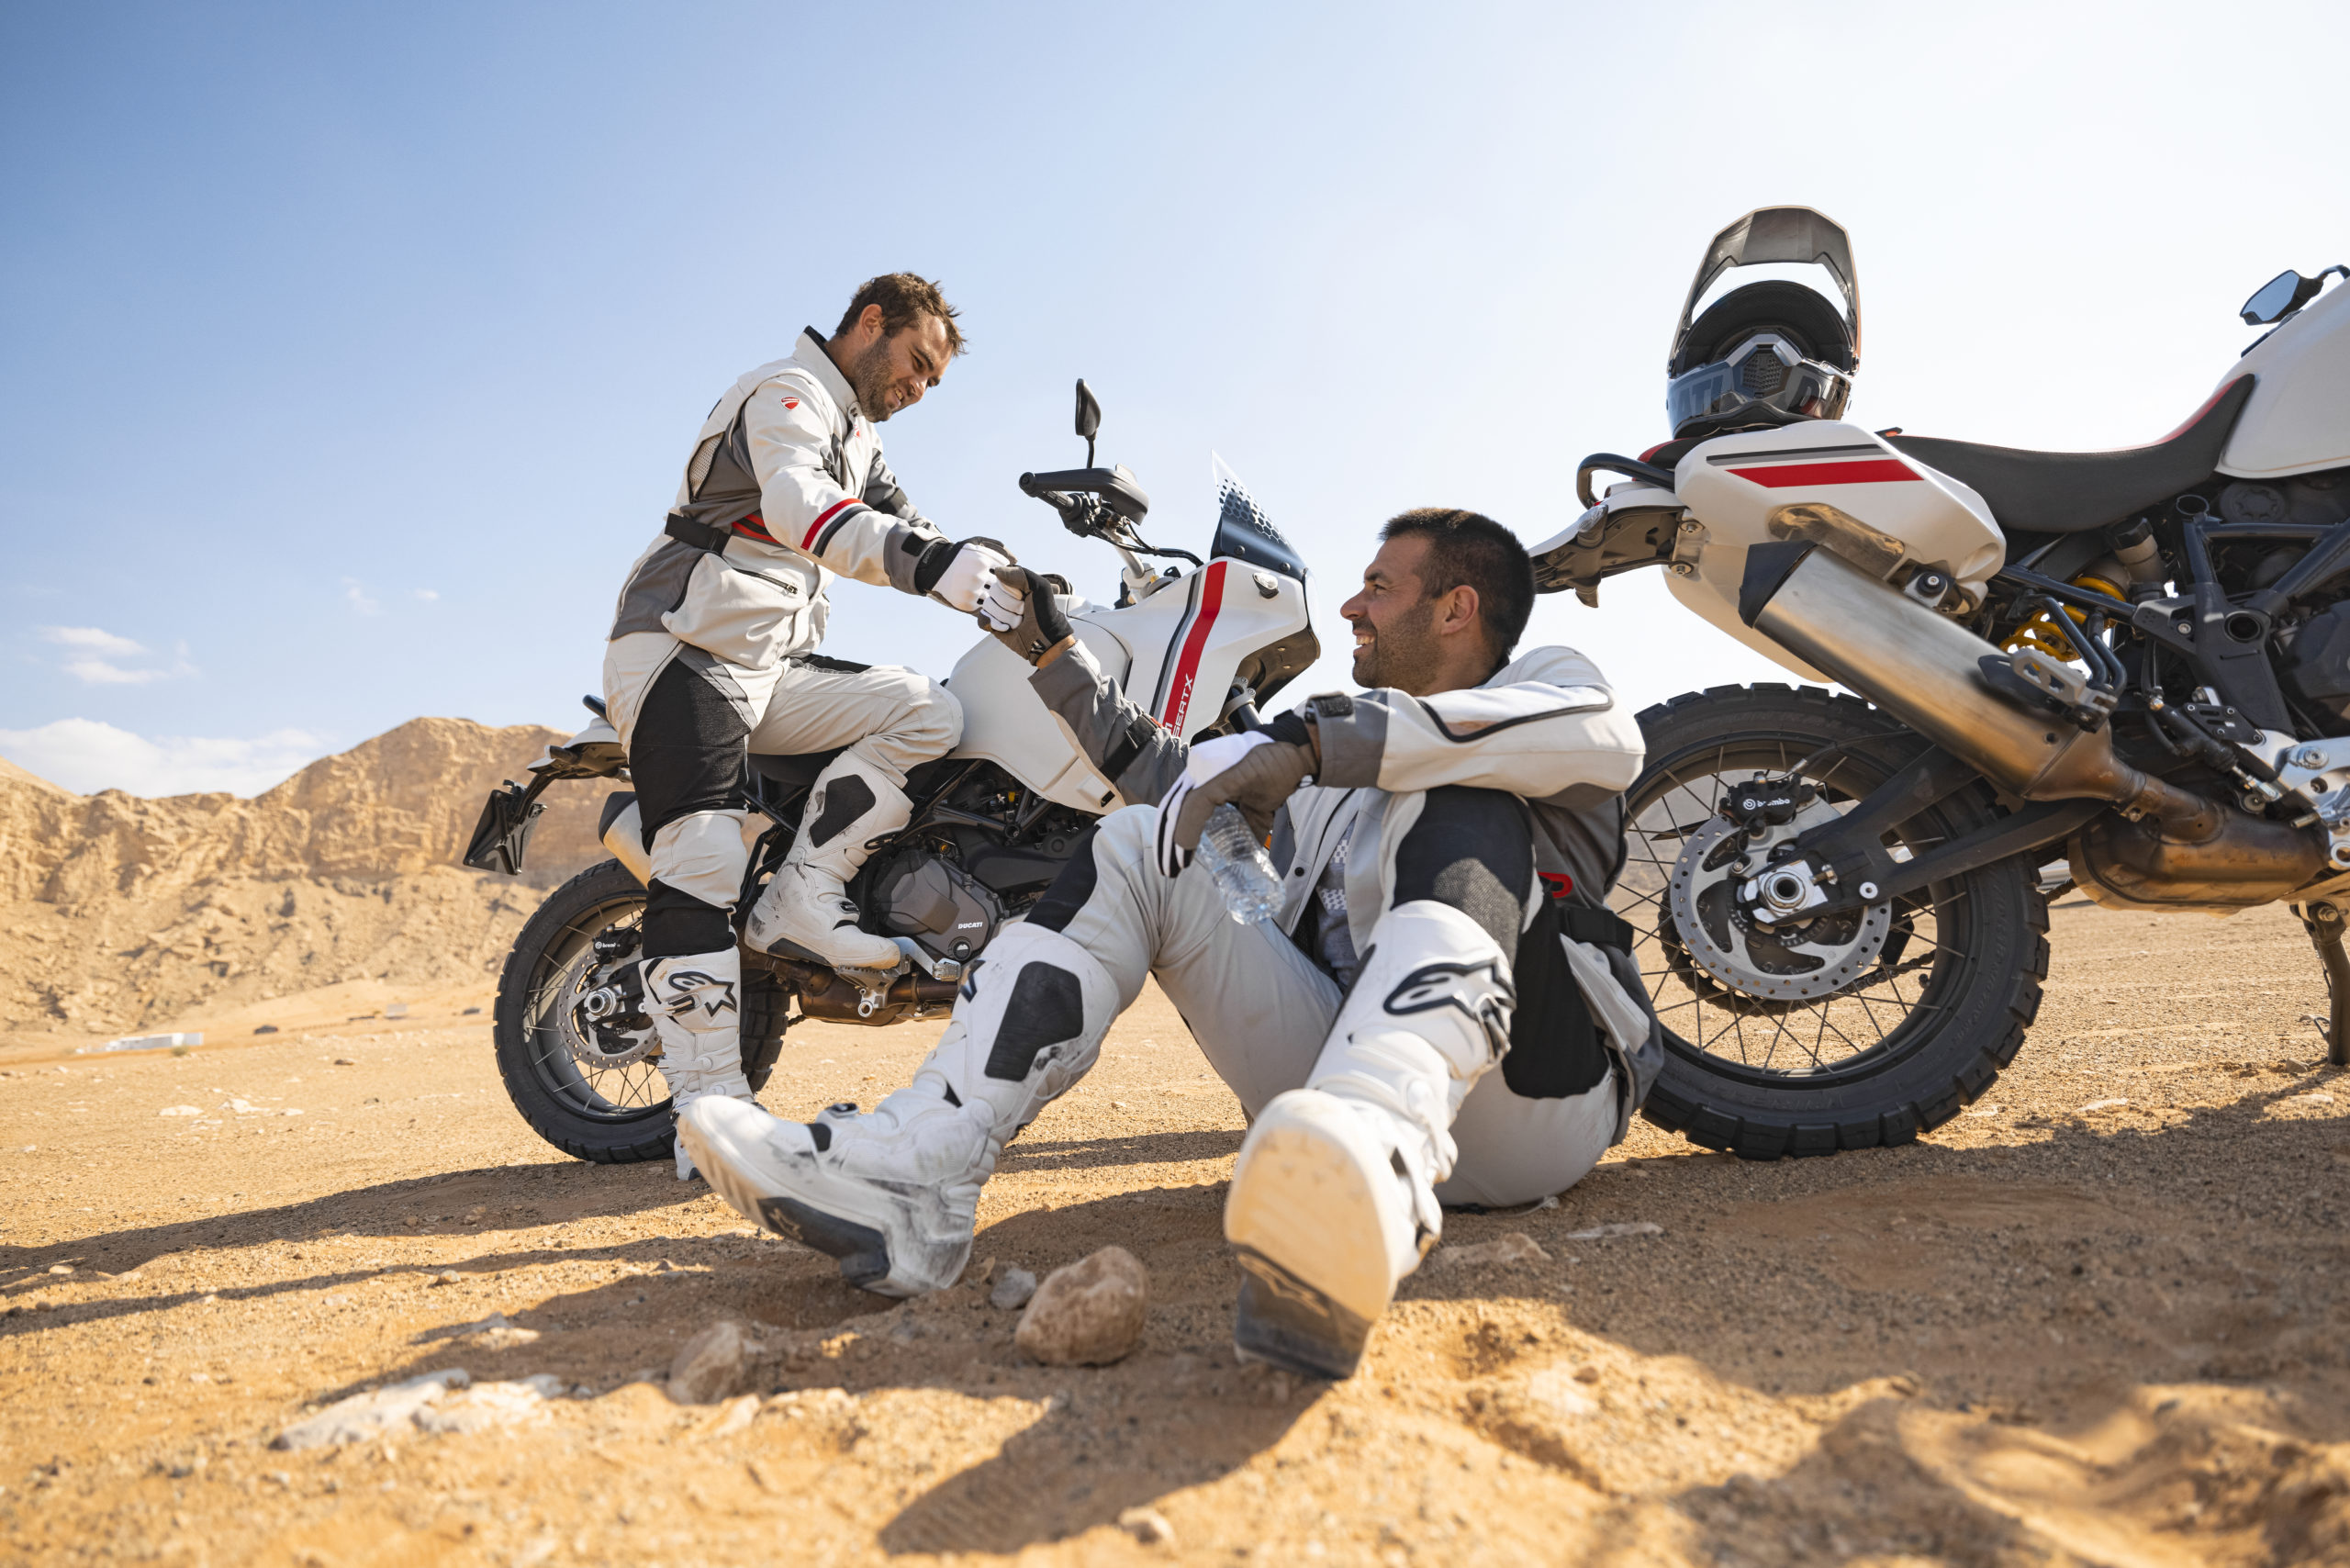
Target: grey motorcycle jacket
{"x": 785, "y": 486}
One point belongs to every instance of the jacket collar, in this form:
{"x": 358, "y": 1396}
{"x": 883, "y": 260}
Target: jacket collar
{"x": 809, "y": 355}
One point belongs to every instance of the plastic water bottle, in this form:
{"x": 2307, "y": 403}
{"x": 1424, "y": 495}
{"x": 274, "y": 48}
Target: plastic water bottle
{"x": 1243, "y": 871}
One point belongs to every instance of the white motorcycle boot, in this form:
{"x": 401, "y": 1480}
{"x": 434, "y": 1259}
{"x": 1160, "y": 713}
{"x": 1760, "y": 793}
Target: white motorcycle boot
{"x": 697, "y": 1007}
{"x": 805, "y": 910}
{"x": 1333, "y": 1200}
{"x": 894, "y": 1194}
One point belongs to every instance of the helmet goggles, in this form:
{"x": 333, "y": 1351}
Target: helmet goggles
{"x": 1765, "y": 380}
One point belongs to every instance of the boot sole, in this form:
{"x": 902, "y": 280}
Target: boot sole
{"x": 1306, "y": 1223}
{"x": 863, "y": 1249}
{"x": 1286, "y": 1323}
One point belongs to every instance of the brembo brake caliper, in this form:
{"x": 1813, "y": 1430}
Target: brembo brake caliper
{"x": 1773, "y": 893}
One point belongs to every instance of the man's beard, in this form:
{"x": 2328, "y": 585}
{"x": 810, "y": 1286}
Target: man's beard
{"x": 868, "y": 377}
{"x": 1402, "y": 655}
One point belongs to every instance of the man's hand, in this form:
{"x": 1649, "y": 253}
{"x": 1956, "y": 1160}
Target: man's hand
{"x": 1257, "y": 772}
{"x": 958, "y": 574}
{"x": 1022, "y": 611}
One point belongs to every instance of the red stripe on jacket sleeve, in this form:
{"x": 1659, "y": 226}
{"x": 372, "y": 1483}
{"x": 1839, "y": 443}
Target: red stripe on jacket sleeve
{"x": 808, "y": 542}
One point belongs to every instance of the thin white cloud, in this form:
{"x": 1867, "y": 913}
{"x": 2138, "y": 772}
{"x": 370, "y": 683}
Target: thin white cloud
{"x": 103, "y": 672}
{"x": 97, "y": 657}
{"x": 427, "y": 595}
{"x": 355, "y": 596}
{"x": 87, "y": 756}
{"x": 93, "y": 639}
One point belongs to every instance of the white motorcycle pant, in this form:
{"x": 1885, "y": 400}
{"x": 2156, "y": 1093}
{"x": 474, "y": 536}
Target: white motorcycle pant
{"x": 1263, "y": 1013}
{"x": 688, "y": 718}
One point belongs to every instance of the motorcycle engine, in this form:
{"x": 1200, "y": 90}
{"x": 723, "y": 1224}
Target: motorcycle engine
{"x": 948, "y": 913}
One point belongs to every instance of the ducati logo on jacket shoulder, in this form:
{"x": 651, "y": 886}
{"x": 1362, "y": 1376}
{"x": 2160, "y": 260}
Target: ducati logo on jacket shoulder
{"x": 689, "y": 989}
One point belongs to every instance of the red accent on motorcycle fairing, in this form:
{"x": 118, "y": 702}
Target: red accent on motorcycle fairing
{"x": 1876, "y": 471}
{"x": 2184, "y": 425}
{"x": 1187, "y": 666}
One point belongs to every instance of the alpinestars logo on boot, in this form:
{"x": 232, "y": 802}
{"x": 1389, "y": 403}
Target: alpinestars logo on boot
{"x": 692, "y": 988}
{"x": 1477, "y": 991}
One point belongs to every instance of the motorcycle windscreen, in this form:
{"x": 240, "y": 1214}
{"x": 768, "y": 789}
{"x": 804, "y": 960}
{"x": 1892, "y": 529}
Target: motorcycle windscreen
{"x": 1244, "y": 533}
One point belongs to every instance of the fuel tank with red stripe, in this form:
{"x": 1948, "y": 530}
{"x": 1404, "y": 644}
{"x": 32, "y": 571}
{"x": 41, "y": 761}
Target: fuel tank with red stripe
{"x": 1733, "y": 485}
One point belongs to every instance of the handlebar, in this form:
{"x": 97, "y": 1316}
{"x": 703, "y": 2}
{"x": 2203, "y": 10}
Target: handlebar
{"x": 1630, "y": 467}
{"x": 1114, "y": 487}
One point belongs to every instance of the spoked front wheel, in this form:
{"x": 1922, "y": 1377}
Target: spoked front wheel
{"x": 576, "y": 1052}
{"x": 1841, "y": 1033}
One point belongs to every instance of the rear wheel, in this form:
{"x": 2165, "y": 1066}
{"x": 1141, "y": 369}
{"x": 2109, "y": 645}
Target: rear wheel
{"x": 1770, "y": 1051}
{"x": 592, "y": 1087}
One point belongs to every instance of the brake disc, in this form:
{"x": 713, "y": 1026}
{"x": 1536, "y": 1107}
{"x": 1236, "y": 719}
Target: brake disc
{"x": 1792, "y": 960}
{"x": 604, "y": 1025}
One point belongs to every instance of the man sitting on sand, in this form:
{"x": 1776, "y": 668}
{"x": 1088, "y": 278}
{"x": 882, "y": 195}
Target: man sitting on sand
{"x": 1445, "y": 874}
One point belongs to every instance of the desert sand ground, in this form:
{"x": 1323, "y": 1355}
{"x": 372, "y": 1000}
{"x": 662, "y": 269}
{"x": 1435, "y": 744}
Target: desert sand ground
{"x": 2101, "y": 1318}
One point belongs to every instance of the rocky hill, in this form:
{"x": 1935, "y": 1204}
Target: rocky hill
{"x": 122, "y": 910}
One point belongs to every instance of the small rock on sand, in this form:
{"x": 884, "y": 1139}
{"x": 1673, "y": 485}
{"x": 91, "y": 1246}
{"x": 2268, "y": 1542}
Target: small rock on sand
{"x": 1515, "y": 1248}
{"x": 1603, "y": 1232}
{"x": 490, "y": 1406}
{"x": 1148, "y": 1526}
{"x": 365, "y": 1415}
{"x": 1089, "y": 1314}
{"x": 496, "y": 1333}
{"x": 710, "y": 1364}
{"x": 1014, "y": 1290}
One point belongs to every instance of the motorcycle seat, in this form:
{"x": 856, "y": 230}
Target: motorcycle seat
{"x": 793, "y": 770}
{"x": 2072, "y": 492}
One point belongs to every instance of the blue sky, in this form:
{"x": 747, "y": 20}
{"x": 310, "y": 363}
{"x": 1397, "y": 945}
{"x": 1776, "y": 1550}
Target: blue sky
{"x": 351, "y": 353}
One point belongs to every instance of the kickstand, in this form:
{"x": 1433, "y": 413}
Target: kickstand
{"x": 2325, "y": 928}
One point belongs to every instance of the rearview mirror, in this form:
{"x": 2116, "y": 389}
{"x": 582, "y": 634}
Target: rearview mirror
{"x": 2280, "y": 296}
{"x": 1089, "y": 412}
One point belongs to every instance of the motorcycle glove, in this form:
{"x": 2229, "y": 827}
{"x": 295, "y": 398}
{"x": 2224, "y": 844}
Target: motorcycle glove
{"x": 956, "y": 573}
{"x": 1257, "y": 772}
{"x": 1022, "y": 611}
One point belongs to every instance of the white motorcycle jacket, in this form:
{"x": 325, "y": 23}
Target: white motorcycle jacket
{"x": 786, "y": 485}
{"x": 1546, "y": 728}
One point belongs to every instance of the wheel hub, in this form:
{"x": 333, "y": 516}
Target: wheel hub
{"x": 608, "y": 1025}
{"x": 1743, "y": 917}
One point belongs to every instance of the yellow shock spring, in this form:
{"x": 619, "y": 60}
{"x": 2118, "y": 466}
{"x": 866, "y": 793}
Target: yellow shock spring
{"x": 2048, "y": 635}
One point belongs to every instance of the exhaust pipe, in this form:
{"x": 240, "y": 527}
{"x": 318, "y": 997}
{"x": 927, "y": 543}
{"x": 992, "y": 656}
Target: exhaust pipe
{"x": 1920, "y": 666}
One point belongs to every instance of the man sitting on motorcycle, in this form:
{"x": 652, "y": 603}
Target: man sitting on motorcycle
{"x": 712, "y": 656}
{"x": 1445, "y": 872}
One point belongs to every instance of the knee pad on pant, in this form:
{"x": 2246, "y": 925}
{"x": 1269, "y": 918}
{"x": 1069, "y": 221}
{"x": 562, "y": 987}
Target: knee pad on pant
{"x": 703, "y": 857}
{"x": 1027, "y": 1026}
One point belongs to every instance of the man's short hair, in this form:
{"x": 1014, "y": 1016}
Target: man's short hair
{"x": 1467, "y": 548}
{"x": 904, "y": 298}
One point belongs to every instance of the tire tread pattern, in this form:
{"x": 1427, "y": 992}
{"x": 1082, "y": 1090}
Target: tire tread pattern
{"x": 1750, "y": 1135}
{"x": 607, "y": 1143}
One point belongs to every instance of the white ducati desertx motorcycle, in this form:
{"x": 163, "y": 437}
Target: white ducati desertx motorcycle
{"x": 2128, "y": 671}
{"x": 993, "y": 822}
